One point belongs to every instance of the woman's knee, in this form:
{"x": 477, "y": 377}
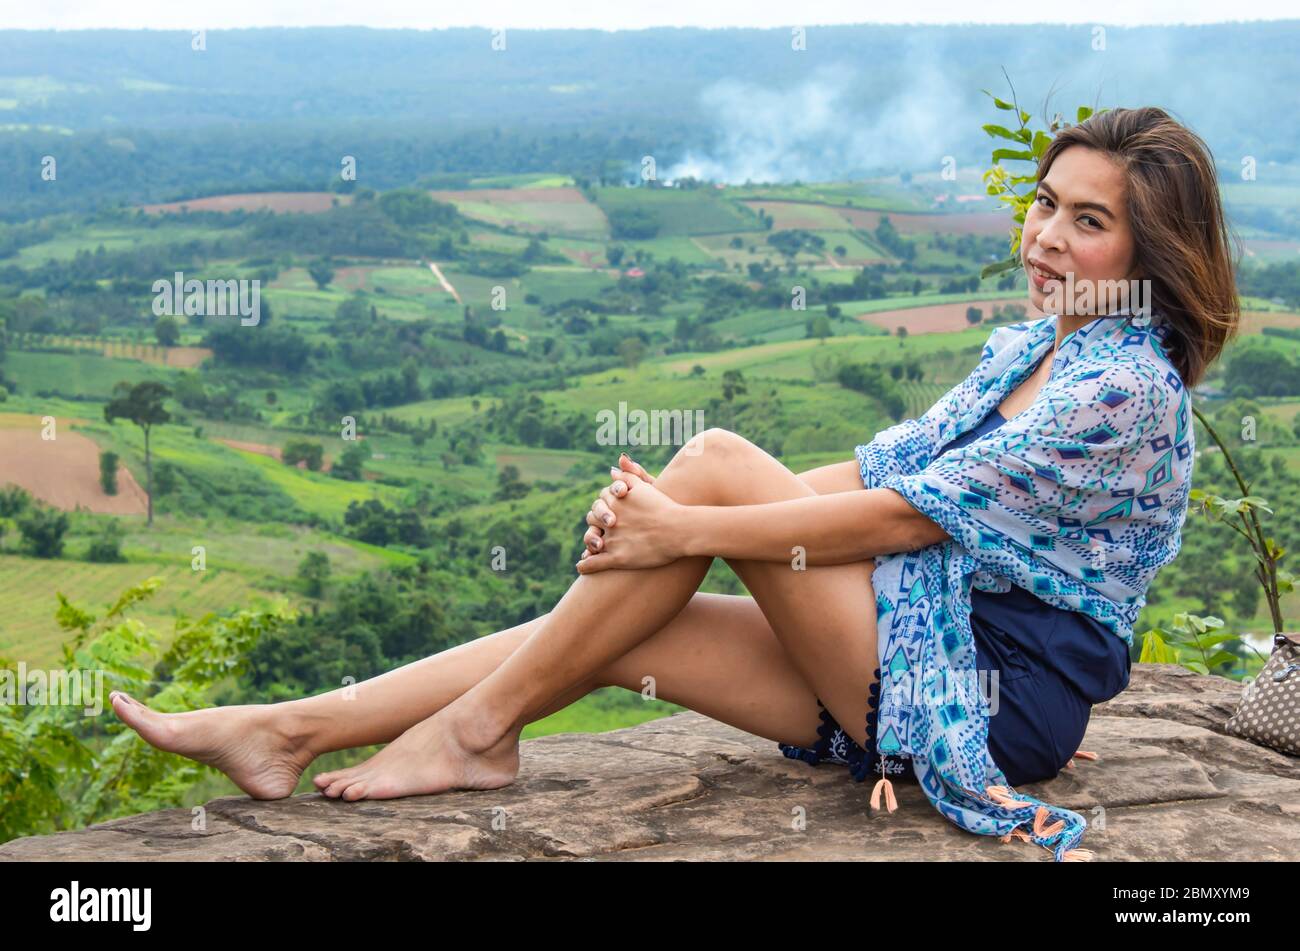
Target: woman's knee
{"x": 711, "y": 447}
{"x": 697, "y": 473}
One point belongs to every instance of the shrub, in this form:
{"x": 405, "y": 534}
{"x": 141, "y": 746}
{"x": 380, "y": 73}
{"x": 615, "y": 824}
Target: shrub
{"x": 43, "y": 529}
{"x": 106, "y": 547}
{"x": 303, "y": 450}
{"x": 108, "y": 472}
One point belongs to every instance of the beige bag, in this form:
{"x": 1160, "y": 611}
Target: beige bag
{"x": 1269, "y": 711}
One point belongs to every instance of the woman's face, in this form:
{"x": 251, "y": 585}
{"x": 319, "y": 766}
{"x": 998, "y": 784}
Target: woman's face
{"x": 1078, "y": 225}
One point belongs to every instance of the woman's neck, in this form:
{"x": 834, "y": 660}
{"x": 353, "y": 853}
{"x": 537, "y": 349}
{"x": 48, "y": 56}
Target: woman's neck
{"x": 1067, "y": 324}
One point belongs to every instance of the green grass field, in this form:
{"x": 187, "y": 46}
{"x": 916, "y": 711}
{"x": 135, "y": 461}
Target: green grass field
{"x": 28, "y": 585}
{"x": 78, "y": 375}
{"x": 678, "y": 212}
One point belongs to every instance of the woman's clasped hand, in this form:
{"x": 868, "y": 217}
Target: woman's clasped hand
{"x": 631, "y": 523}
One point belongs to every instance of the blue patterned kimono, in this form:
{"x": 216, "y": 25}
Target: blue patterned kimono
{"x": 1080, "y": 500}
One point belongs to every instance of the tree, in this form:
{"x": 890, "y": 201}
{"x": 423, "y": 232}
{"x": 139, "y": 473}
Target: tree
{"x": 369, "y": 521}
{"x": 166, "y": 330}
{"x": 303, "y": 450}
{"x": 43, "y": 529}
{"x": 14, "y": 500}
{"x": 818, "y": 326}
{"x": 349, "y": 467}
{"x": 632, "y": 351}
{"x": 733, "y": 384}
{"x": 322, "y": 272}
{"x": 509, "y": 485}
{"x": 142, "y": 404}
{"x": 313, "y": 572}
{"x": 108, "y": 472}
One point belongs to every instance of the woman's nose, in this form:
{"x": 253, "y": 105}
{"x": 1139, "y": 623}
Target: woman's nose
{"x": 1047, "y": 237}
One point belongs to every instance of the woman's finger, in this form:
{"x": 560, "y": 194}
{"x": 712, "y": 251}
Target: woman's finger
{"x": 627, "y": 463}
{"x": 594, "y": 521}
{"x": 593, "y": 540}
{"x": 604, "y": 514}
{"x": 590, "y": 564}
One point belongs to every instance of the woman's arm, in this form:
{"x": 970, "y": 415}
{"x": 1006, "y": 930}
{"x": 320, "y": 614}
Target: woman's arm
{"x": 832, "y": 529}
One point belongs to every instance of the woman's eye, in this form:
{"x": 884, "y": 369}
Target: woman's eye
{"x": 1090, "y": 218}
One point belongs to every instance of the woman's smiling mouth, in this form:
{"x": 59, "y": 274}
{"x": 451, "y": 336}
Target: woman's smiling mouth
{"x": 1040, "y": 276}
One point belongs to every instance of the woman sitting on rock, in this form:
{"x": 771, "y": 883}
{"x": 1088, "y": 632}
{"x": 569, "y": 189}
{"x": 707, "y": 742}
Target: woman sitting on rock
{"x": 1012, "y": 530}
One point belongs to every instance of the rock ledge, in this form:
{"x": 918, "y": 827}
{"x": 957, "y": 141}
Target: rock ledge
{"x": 1170, "y": 784}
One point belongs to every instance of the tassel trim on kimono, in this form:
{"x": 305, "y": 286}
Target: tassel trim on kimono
{"x": 864, "y": 761}
{"x": 1043, "y": 834}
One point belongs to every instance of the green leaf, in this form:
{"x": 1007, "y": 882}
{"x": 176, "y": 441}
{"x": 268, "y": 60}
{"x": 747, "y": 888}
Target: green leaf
{"x": 1155, "y": 650}
{"x": 1018, "y": 154}
{"x": 1041, "y": 141}
{"x": 71, "y": 617}
{"x": 1222, "y": 657}
{"x": 1004, "y": 265}
{"x": 1212, "y": 639}
{"x": 1001, "y": 132}
{"x": 145, "y": 589}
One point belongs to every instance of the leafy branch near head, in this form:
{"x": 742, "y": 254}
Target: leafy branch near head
{"x": 1029, "y": 146}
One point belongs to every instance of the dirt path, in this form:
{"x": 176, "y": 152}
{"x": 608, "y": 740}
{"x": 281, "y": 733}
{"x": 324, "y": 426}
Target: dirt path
{"x": 446, "y": 284}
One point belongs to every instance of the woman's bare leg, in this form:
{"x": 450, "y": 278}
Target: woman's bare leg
{"x": 717, "y": 656}
{"x": 825, "y": 616}
{"x": 266, "y": 746}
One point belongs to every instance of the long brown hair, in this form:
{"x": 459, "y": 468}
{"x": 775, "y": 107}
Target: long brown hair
{"x": 1178, "y": 225}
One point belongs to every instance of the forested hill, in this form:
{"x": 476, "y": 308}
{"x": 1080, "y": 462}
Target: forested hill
{"x": 143, "y": 115}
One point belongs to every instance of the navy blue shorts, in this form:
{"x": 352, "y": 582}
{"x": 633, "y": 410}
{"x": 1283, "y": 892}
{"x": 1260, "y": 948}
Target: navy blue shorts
{"x": 1052, "y": 664}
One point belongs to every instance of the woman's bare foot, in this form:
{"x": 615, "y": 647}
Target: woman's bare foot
{"x": 446, "y": 751}
{"x": 249, "y": 743}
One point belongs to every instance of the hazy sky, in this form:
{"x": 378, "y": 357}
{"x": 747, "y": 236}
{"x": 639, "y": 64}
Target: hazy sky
{"x": 608, "y": 14}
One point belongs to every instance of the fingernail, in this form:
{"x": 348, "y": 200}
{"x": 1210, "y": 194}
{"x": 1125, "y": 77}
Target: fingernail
{"x": 609, "y": 520}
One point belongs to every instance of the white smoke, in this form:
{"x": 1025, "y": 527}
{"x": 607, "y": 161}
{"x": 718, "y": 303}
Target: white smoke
{"x": 811, "y": 132}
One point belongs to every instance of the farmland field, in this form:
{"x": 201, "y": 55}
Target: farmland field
{"x": 936, "y": 318}
{"x": 279, "y": 202}
{"x": 559, "y": 210}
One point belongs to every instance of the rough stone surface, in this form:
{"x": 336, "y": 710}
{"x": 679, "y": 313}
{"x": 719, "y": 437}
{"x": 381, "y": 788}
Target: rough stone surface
{"x": 1170, "y": 784}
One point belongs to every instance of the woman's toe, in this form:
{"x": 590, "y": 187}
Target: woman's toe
{"x": 336, "y": 787}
